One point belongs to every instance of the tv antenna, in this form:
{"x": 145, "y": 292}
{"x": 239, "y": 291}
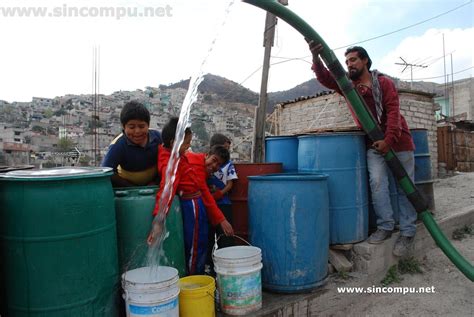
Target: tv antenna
{"x": 406, "y": 64}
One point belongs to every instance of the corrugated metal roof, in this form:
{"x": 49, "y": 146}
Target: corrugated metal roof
{"x": 323, "y": 93}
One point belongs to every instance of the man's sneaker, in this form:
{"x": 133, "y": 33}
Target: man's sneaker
{"x": 402, "y": 246}
{"x": 379, "y": 236}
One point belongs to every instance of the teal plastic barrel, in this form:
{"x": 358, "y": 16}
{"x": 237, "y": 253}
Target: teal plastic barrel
{"x": 342, "y": 156}
{"x": 57, "y": 227}
{"x": 133, "y": 207}
{"x": 289, "y": 222}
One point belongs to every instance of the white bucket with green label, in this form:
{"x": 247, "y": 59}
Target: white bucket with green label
{"x": 151, "y": 292}
{"x": 239, "y": 279}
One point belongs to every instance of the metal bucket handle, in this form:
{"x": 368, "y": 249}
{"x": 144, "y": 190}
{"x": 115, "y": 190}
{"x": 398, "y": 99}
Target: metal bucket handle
{"x": 215, "y": 247}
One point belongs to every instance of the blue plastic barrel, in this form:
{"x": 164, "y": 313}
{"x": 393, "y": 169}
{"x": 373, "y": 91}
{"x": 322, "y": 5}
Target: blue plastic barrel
{"x": 423, "y": 177}
{"x": 282, "y": 149}
{"x": 342, "y": 156}
{"x": 422, "y": 155}
{"x": 289, "y": 222}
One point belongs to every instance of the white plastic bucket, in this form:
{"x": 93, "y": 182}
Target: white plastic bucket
{"x": 239, "y": 279}
{"x": 151, "y": 292}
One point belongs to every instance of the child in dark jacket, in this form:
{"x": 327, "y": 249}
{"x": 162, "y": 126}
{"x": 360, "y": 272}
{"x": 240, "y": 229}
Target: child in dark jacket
{"x": 197, "y": 204}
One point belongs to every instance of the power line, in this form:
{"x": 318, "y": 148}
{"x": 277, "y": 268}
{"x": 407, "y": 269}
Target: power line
{"x": 405, "y": 28}
{"x": 289, "y": 59}
{"x": 439, "y": 76}
{"x": 398, "y": 30}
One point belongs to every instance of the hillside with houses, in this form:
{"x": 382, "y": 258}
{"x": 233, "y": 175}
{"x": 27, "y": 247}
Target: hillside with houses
{"x": 66, "y": 130}
{"x": 49, "y": 131}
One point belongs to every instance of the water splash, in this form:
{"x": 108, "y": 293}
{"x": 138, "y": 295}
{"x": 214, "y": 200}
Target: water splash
{"x": 159, "y": 224}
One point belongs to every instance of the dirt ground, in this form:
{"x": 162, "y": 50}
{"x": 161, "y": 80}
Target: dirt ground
{"x": 453, "y": 193}
{"x": 453, "y": 292}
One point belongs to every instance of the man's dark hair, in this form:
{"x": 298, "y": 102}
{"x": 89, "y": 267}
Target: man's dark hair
{"x": 169, "y": 131}
{"x": 219, "y": 139}
{"x": 134, "y": 110}
{"x": 221, "y": 152}
{"x": 361, "y": 52}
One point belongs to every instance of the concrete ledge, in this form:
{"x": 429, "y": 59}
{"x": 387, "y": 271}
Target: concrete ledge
{"x": 375, "y": 259}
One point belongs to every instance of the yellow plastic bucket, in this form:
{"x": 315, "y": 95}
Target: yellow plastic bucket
{"x": 196, "y": 297}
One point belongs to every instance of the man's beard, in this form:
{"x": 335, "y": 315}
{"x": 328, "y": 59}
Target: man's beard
{"x": 354, "y": 73}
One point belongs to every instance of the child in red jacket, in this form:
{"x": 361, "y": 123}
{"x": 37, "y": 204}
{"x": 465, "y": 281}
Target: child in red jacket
{"x": 197, "y": 204}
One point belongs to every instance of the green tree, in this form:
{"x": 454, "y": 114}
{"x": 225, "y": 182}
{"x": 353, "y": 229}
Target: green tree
{"x": 65, "y": 144}
{"x": 48, "y": 113}
{"x": 38, "y": 129}
{"x": 200, "y": 131}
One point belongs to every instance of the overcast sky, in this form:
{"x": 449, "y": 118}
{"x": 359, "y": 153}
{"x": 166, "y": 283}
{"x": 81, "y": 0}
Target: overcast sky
{"x": 51, "y": 56}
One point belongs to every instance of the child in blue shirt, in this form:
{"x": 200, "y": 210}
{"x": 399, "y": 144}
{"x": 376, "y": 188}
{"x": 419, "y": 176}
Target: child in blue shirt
{"x": 220, "y": 183}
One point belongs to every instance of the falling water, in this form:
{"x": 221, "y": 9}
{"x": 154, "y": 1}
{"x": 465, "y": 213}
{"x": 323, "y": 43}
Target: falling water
{"x": 158, "y": 225}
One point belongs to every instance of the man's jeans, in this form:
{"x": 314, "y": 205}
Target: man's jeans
{"x": 379, "y": 185}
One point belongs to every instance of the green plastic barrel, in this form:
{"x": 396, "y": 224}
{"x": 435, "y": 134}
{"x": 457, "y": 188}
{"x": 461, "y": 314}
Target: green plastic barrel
{"x": 59, "y": 254}
{"x": 134, "y": 206}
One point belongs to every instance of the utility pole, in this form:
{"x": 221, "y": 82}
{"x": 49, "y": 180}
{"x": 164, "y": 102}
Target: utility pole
{"x": 406, "y": 64}
{"x": 446, "y": 96}
{"x": 452, "y": 82}
{"x": 95, "y": 120}
{"x": 260, "y": 112}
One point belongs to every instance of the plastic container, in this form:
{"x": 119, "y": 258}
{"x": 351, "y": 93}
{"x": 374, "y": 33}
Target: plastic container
{"x": 239, "y": 279}
{"x": 423, "y": 176}
{"x": 289, "y": 222}
{"x": 239, "y": 193}
{"x": 342, "y": 156}
{"x": 282, "y": 149}
{"x": 59, "y": 255}
{"x": 151, "y": 292}
{"x": 133, "y": 208}
{"x": 197, "y": 296}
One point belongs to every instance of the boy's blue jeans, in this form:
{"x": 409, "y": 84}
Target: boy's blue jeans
{"x": 379, "y": 185}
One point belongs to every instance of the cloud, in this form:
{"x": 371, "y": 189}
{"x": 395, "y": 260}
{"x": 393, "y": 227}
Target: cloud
{"x": 50, "y": 57}
{"x": 427, "y": 50}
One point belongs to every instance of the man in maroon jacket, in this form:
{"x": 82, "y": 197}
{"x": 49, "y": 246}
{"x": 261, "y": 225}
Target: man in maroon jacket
{"x": 381, "y": 97}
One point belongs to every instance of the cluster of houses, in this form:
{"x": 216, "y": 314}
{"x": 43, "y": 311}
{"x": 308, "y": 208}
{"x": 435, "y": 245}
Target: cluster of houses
{"x": 45, "y": 132}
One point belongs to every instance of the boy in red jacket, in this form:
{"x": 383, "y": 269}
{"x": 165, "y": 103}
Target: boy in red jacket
{"x": 197, "y": 204}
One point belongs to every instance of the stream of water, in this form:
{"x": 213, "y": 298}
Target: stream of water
{"x": 158, "y": 225}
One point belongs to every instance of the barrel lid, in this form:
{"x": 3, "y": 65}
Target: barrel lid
{"x": 280, "y": 137}
{"x": 331, "y": 133}
{"x": 57, "y": 173}
{"x": 303, "y": 176}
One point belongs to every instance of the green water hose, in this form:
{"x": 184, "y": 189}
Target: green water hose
{"x": 371, "y": 128}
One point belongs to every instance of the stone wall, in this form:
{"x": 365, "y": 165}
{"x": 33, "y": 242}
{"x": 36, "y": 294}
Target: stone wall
{"x": 463, "y": 98}
{"x": 329, "y": 111}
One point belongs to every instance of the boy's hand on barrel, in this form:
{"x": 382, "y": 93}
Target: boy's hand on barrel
{"x": 227, "y": 228}
{"x": 218, "y": 194}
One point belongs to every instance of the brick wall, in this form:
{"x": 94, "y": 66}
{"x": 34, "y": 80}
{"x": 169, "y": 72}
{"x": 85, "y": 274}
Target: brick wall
{"x": 419, "y": 110}
{"x": 329, "y": 111}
